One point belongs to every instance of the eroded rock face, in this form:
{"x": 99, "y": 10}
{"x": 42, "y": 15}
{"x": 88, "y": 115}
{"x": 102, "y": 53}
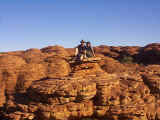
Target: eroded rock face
{"x": 111, "y": 65}
{"x": 117, "y": 52}
{"x": 57, "y": 67}
{"x": 151, "y": 77}
{"x": 109, "y": 96}
{"x": 61, "y": 91}
{"x": 33, "y": 56}
{"x": 2, "y": 91}
{"x": 20, "y": 69}
{"x": 10, "y": 67}
{"x": 150, "y": 54}
{"x": 29, "y": 73}
{"x": 86, "y": 69}
{"x": 55, "y": 50}
{"x": 43, "y": 85}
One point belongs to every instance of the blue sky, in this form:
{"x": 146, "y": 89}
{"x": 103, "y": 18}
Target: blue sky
{"x": 39, "y": 23}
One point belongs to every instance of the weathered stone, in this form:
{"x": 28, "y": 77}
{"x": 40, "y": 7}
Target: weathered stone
{"x": 42, "y": 84}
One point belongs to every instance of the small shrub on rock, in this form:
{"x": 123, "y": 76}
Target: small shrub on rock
{"x": 127, "y": 59}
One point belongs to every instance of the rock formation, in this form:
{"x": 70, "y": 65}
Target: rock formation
{"x": 41, "y": 84}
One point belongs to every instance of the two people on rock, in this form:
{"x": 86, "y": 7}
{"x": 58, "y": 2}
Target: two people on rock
{"x": 84, "y": 50}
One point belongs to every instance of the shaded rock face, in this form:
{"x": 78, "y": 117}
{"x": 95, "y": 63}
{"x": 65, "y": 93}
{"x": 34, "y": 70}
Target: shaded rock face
{"x": 151, "y": 78}
{"x": 117, "y": 52}
{"x": 2, "y": 91}
{"x": 150, "y": 54}
{"x": 42, "y": 85}
{"x": 10, "y": 68}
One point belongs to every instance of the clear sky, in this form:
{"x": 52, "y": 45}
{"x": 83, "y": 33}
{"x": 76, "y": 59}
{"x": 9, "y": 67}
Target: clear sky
{"x": 39, "y": 23}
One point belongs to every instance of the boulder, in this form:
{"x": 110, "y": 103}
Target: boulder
{"x": 111, "y": 65}
{"x": 55, "y": 50}
{"x": 33, "y": 55}
{"x": 57, "y": 67}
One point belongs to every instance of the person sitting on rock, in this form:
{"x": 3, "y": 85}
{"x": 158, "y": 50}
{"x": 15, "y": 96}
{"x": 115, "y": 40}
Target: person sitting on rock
{"x": 89, "y": 50}
{"x": 81, "y": 50}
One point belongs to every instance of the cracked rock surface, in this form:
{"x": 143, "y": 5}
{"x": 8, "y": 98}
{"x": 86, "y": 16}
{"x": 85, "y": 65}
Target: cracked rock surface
{"x": 41, "y": 84}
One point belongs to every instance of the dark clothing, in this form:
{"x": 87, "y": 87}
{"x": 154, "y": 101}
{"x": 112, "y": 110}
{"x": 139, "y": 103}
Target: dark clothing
{"x": 81, "y": 49}
{"x": 89, "y": 52}
{"x": 80, "y": 52}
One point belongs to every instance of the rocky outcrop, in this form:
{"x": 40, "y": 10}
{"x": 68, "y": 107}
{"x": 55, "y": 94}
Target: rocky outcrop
{"x": 41, "y": 84}
{"x": 10, "y": 67}
{"x": 20, "y": 69}
{"x": 117, "y": 52}
{"x": 55, "y": 50}
{"x": 61, "y": 91}
{"x": 33, "y": 56}
{"x": 151, "y": 77}
{"x": 86, "y": 69}
{"x": 2, "y": 91}
{"x": 110, "y": 96}
{"x": 111, "y": 65}
{"x": 150, "y": 54}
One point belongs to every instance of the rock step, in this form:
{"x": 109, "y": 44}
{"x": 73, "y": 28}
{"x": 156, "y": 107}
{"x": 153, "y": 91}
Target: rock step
{"x": 60, "y": 91}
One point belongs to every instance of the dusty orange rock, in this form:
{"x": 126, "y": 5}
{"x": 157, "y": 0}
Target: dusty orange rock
{"x": 10, "y": 67}
{"x": 55, "y": 50}
{"x": 42, "y": 84}
{"x": 2, "y": 91}
{"x": 111, "y": 66}
{"x": 57, "y": 67}
{"x": 33, "y": 56}
{"x": 86, "y": 69}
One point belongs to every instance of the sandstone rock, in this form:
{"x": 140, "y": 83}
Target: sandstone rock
{"x": 117, "y": 52}
{"x": 153, "y": 82}
{"x": 111, "y": 66}
{"x": 104, "y": 90}
{"x": 55, "y": 50}
{"x": 150, "y": 54}
{"x": 33, "y": 56}
{"x": 20, "y": 116}
{"x": 41, "y": 84}
{"x": 10, "y": 67}
{"x": 129, "y": 50}
{"x": 2, "y": 91}
{"x": 59, "y": 91}
{"x": 70, "y": 51}
{"x": 28, "y": 74}
{"x": 57, "y": 67}
{"x": 86, "y": 69}
{"x": 106, "y": 51}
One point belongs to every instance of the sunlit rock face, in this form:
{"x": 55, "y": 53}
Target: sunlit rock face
{"x": 41, "y": 84}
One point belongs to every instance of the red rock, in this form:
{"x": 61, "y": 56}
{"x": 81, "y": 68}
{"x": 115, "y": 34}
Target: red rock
{"x": 55, "y": 50}
{"x": 150, "y": 54}
{"x": 111, "y": 66}
{"x": 41, "y": 84}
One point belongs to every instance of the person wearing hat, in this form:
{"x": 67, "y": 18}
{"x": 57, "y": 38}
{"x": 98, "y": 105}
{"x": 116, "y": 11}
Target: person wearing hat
{"x": 81, "y": 50}
{"x": 89, "y": 50}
